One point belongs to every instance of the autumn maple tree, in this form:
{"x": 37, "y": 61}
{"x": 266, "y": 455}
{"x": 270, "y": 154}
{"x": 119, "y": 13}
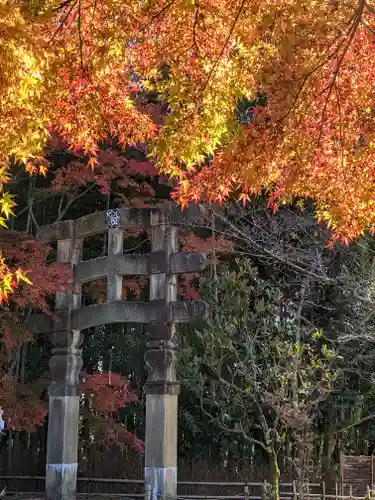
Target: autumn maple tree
{"x": 70, "y": 187}
{"x": 303, "y": 69}
{"x": 24, "y": 406}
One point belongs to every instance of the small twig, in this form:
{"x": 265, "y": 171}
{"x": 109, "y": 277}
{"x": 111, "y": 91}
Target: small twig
{"x": 368, "y": 7}
{"x": 63, "y": 21}
{"x": 341, "y": 123}
{"x": 62, "y": 5}
{"x": 160, "y": 13}
{"x": 314, "y": 70}
{"x": 196, "y": 20}
{"x": 351, "y": 36}
{"x": 59, "y": 211}
{"x": 362, "y": 421}
{"x": 213, "y": 69}
{"x": 72, "y": 200}
{"x": 33, "y": 218}
{"x": 367, "y": 26}
{"x": 80, "y": 37}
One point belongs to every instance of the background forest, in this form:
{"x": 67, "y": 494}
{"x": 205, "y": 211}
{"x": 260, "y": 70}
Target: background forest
{"x": 280, "y": 376}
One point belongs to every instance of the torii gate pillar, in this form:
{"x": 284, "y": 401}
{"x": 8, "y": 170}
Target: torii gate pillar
{"x": 162, "y": 388}
{"x": 65, "y": 365}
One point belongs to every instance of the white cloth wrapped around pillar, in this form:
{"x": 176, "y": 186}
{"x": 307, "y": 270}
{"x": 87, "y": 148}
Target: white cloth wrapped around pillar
{"x": 2, "y": 423}
{"x": 160, "y": 480}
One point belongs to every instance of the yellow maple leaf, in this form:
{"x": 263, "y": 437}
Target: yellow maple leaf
{"x": 20, "y": 276}
{"x": 7, "y": 204}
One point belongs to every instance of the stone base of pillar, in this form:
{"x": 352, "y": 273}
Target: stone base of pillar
{"x": 61, "y": 481}
{"x": 161, "y": 445}
{"x": 62, "y": 448}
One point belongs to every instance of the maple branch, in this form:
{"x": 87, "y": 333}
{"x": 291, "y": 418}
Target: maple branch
{"x": 213, "y": 69}
{"x": 59, "y": 210}
{"x": 93, "y": 13}
{"x": 357, "y": 20}
{"x": 80, "y": 37}
{"x": 371, "y": 9}
{"x": 14, "y": 362}
{"x": 63, "y": 21}
{"x": 340, "y": 114}
{"x": 72, "y": 200}
{"x": 160, "y": 13}
{"x": 33, "y": 218}
{"x": 195, "y": 43}
{"x": 367, "y": 26}
{"x": 314, "y": 70}
{"x": 136, "y": 246}
{"x": 62, "y": 5}
{"x": 30, "y": 199}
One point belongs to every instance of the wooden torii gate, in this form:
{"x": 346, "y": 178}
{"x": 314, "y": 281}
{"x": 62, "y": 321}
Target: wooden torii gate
{"x": 160, "y": 314}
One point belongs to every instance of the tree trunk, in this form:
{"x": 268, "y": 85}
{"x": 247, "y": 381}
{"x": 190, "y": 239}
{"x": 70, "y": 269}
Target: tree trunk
{"x": 328, "y": 444}
{"x": 273, "y": 492}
